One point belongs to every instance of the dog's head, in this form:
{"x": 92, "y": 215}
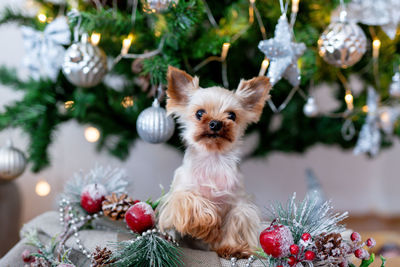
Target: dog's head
{"x": 214, "y": 118}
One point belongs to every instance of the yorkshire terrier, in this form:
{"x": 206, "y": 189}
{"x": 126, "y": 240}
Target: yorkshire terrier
{"x": 207, "y": 199}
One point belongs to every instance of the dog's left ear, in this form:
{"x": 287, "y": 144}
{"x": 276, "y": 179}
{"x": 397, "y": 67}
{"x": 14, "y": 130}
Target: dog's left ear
{"x": 253, "y": 94}
{"x": 180, "y": 88}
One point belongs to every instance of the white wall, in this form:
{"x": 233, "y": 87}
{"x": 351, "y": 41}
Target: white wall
{"x": 357, "y": 184}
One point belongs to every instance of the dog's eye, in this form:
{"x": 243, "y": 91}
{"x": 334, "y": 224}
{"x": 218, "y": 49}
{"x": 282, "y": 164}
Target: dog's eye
{"x": 232, "y": 115}
{"x": 200, "y": 113}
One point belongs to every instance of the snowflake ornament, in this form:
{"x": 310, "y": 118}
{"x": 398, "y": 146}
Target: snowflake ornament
{"x": 283, "y": 54}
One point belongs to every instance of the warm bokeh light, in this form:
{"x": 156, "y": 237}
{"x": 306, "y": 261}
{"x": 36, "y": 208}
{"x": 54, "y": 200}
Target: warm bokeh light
{"x": 376, "y": 45}
{"x": 385, "y": 117}
{"x": 68, "y": 104}
{"x": 92, "y": 134}
{"x": 42, "y": 17}
{"x": 126, "y": 44}
{"x": 42, "y": 188}
{"x": 295, "y": 6}
{"x": 95, "y": 38}
{"x": 264, "y": 66}
{"x": 349, "y": 100}
{"x": 365, "y": 108}
{"x": 127, "y": 102}
{"x": 225, "y": 48}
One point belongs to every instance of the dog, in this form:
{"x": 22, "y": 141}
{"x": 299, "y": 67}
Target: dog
{"x": 207, "y": 199}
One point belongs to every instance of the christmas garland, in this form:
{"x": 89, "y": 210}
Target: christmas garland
{"x": 301, "y": 234}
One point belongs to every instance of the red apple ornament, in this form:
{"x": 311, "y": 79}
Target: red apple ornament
{"x": 92, "y": 196}
{"x": 140, "y": 217}
{"x": 276, "y": 240}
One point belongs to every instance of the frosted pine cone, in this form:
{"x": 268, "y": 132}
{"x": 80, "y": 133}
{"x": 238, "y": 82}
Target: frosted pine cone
{"x": 330, "y": 246}
{"x": 102, "y": 257}
{"x": 116, "y": 207}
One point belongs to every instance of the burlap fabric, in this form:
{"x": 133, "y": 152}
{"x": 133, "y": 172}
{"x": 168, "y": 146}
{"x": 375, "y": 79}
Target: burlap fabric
{"x": 48, "y": 226}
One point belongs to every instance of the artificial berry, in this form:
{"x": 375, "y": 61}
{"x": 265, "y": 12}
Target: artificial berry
{"x": 309, "y": 256}
{"x": 136, "y": 201}
{"x": 26, "y": 256}
{"x": 292, "y": 261}
{"x": 360, "y": 253}
{"x": 306, "y": 237}
{"x": 279, "y": 266}
{"x": 355, "y": 237}
{"x": 294, "y": 249}
{"x": 370, "y": 242}
{"x": 344, "y": 264}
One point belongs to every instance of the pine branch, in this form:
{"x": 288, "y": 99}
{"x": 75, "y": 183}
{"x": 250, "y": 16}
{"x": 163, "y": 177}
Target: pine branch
{"x": 10, "y": 15}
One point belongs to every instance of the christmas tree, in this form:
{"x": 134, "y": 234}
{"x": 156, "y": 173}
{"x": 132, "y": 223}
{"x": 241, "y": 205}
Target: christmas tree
{"x": 124, "y": 48}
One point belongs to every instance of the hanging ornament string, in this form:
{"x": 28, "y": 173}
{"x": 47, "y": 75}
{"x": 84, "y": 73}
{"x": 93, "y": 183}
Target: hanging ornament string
{"x": 209, "y": 14}
{"x": 284, "y": 103}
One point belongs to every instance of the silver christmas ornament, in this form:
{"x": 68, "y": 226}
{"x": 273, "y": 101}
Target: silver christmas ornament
{"x": 283, "y": 54}
{"x": 157, "y": 5}
{"x": 12, "y": 162}
{"x": 369, "y": 139}
{"x": 342, "y": 44}
{"x": 310, "y": 109}
{"x": 84, "y": 65}
{"x": 153, "y": 125}
{"x": 394, "y": 88}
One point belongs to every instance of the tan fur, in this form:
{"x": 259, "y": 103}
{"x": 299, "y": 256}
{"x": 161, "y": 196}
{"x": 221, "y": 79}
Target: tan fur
{"x": 207, "y": 199}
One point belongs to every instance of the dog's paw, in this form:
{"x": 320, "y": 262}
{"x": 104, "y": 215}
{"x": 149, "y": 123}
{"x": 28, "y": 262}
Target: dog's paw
{"x": 240, "y": 252}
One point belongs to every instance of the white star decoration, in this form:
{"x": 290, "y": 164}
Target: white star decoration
{"x": 283, "y": 54}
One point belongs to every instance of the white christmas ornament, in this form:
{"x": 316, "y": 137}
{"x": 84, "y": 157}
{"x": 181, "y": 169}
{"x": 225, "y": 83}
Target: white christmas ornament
{"x": 394, "y": 88}
{"x": 310, "y": 109}
{"x": 12, "y": 162}
{"x": 84, "y": 64}
{"x": 283, "y": 54}
{"x": 153, "y": 125}
{"x": 44, "y": 50}
{"x": 369, "y": 139}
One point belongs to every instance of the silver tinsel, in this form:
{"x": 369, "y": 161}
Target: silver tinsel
{"x": 12, "y": 162}
{"x": 157, "y": 5}
{"x": 394, "y": 88}
{"x": 84, "y": 65}
{"x": 369, "y": 139}
{"x": 283, "y": 54}
{"x": 153, "y": 125}
{"x": 310, "y": 109}
{"x": 342, "y": 44}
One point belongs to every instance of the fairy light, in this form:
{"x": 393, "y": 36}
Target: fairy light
{"x": 68, "y": 104}
{"x": 126, "y": 44}
{"x": 385, "y": 117}
{"x": 376, "y": 45}
{"x": 349, "y": 100}
{"x": 251, "y": 11}
{"x": 225, "y": 48}
{"x": 92, "y": 134}
{"x": 365, "y": 108}
{"x": 264, "y": 66}
{"x": 127, "y": 102}
{"x": 95, "y": 38}
{"x": 295, "y": 6}
{"x": 42, "y": 17}
{"x": 42, "y": 188}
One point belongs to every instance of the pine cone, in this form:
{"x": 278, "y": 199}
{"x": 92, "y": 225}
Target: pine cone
{"x": 116, "y": 207}
{"x": 102, "y": 257}
{"x": 330, "y": 246}
{"x": 40, "y": 262}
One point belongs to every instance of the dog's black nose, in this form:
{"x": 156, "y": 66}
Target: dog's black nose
{"x": 215, "y": 126}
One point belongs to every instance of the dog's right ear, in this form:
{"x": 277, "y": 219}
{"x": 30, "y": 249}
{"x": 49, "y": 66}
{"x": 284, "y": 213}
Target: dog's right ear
{"x": 180, "y": 88}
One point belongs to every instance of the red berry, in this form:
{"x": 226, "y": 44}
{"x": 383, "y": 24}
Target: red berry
{"x": 136, "y": 201}
{"x": 360, "y": 253}
{"x": 92, "y": 196}
{"x": 294, "y": 249}
{"x": 370, "y": 242}
{"x": 309, "y": 256}
{"x": 292, "y": 261}
{"x": 26, "y": 256}
{"x": 306, "y": 237}
{"x": 279, "y": 266}
{"x": 276, "y": 240}
{"x": 140, "y": 217}
{"x": 355, "y": 237}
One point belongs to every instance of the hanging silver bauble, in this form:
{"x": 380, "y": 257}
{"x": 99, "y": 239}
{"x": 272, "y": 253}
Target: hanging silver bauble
{"x": 157, "y": 5}
{"x": 342, "y": 44}
{"x": 153, "y": 125}
{"x": 84, "y": 64}
{"x": 310, "y": 109}
{"x": 394, "y": 88}
{"x": 12, "y": 162}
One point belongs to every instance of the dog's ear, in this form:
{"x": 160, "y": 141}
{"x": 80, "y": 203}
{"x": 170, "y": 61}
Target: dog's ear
{"x": 180, "y": 87}
{"x": 253, "y": 94}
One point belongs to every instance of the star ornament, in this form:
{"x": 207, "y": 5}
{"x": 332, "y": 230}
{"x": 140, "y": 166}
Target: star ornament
{"x": 283, "y": 54}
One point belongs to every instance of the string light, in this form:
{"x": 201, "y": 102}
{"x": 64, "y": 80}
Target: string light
{"x": 251, "y": 11}
{"x": 264, "y": 66}
{"x": 126, "y": 44}
{"x": 92, "y": 134}
{"x": 376, "y": 44}
{"x": 385, "y": 117}
{"x": 68, "y": 104}
{"x": 224, "y": 53}
{"x": 349, "y": 100}
{"x": 127, "y": 102}
{"x": 42, "y": 188}
{"x": 42, "y": 17}
{"x": 295, "y": 6}
{"x": 95, "y": 38}
{"x": 365, "y": 108}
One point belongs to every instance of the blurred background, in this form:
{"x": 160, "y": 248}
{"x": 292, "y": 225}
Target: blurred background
{"x": 366, "y": 187}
